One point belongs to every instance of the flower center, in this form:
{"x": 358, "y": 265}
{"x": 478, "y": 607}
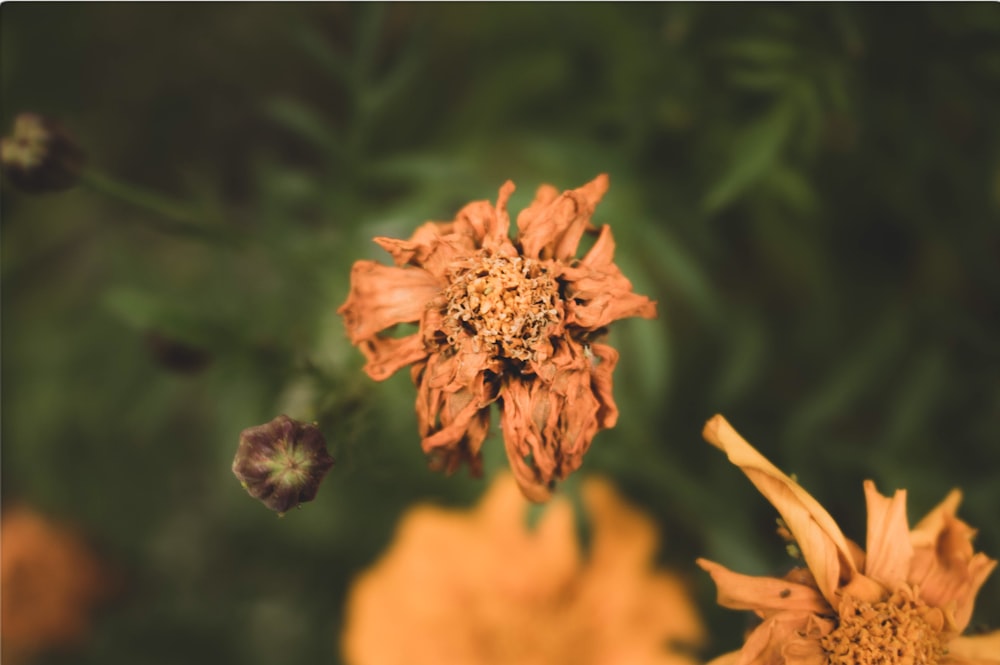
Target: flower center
{"x": 894, "y": 631}
{"x": 505, "y": 303}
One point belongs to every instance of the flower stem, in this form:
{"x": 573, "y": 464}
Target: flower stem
{"x": 168, "y": 216}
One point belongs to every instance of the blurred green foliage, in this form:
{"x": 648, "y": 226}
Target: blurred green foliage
{"x": 811, "y": 192}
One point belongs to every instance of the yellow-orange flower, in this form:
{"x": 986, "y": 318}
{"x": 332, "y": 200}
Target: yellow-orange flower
{"x": 511, "y": 322}
{"x": 49, "y": 583}
{"x": 479, "y": 587}
{"x": 905, "y": 599}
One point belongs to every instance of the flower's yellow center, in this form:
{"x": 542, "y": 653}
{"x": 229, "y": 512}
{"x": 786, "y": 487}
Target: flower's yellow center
{"x": 894, "y": 631}
{"x": 506, "y": 304}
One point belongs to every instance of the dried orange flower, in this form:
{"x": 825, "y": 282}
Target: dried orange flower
{"x": 511, "y": 322}
{"x": 49, "y": 583}
{"x": 904, "y": 600}
{"x": 479, "y": 587}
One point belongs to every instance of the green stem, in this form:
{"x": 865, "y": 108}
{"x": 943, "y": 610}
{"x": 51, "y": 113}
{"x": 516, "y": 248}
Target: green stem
{"x": 169, "y": 217}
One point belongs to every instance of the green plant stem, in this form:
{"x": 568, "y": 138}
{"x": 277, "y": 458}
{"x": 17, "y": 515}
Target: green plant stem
{"x": 167, "y": 216}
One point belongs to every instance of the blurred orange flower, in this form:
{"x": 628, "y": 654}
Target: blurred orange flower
{"x": 49, "y": 583}
{"x": 904, "y": 600}
{"x": 479, "y": 587}
{"x": 515, "y": 323}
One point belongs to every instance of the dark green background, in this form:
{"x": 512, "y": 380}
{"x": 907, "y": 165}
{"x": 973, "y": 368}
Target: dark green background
{"x": 810, "y": 192}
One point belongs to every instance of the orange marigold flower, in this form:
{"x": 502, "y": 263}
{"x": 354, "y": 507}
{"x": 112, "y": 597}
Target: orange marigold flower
{"x": 511, "y": 322}
{"x": 479, "y": 587}
{"x": 49, "y": 583}
{"x": 903, "y": 600}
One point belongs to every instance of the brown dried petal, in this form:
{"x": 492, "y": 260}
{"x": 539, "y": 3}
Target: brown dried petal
{"x": 597, "y": 292}
{"x": 434, "y": 254}
{"x": 548, "y": 426}
{"x": 383, "y": 296}
{"x": 551, "y": 228}
{"x": 452, "y": 424}
{"x": 386, "y": 355}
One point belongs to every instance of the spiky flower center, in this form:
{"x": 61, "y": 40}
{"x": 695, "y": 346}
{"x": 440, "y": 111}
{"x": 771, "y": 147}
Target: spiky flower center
{"x": 894, "y": 631}
{"x": 506, "y": 304}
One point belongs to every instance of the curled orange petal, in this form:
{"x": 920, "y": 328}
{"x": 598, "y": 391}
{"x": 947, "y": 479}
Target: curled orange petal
{"x": 823, "y": 546}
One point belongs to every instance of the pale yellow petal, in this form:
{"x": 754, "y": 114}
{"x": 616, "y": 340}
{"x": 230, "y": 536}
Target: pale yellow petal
{"x": 823, "y": 545}
{"x": 764, "y": 645}
{"x": 765, "y": 595}
{"x": 730, "y": 658}
{"x": 889, "y": 551}
{"x": 640, "y": 610}
{"x": 945, "y": 567}
{"x": 927, "y": 530}
{"x": 623, "y": 537}
{"x": 980, "y": 569}
{"x": 974, "y": 650}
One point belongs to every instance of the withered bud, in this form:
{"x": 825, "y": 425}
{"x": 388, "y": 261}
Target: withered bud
{"x": 282, "y": 463}
{"x": 176, "y": 356}
{"x": 40, "y": 156}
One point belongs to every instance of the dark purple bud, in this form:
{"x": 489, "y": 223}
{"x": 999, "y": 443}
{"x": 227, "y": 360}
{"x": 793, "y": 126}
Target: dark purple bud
{"x": 40, "y": 156}
{"x": 282, "y": 463}
{"x": 175, "y": 355}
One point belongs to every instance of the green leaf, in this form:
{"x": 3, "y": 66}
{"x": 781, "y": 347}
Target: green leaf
{"x": 851, "y": 380}
{"x": 759, "y": 79}
{"x": 314, "y": 44}
{"x": 762, "y": 51}
{"x": 794, "y": 189}
{"x": 680, "y": 270}
{"x": 756, "y": 151}
{"x": 146, "y": 311}
{"x": 306, "y": 123}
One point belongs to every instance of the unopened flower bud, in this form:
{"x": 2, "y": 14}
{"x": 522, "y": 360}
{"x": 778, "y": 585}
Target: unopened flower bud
{"x": 176, "y": 356}
{"x": 282, "y": 463}
{"x": 40, "y": 156}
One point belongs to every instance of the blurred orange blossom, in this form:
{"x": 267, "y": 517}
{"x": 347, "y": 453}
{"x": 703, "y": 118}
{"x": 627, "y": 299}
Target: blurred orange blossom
{"x": 49, "y": 583}
{"x": 516, "y": 322}
{"x": 905, "y": 599}
{"x": 478, "y": 587}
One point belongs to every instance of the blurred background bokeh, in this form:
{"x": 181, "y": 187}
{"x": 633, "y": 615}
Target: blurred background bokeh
{"x": 810, "y": 192}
